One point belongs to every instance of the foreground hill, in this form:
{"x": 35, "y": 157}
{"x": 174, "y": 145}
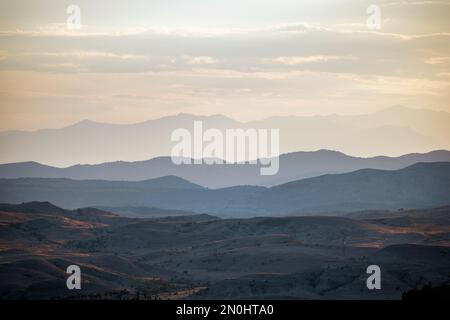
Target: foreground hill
{"x": 293, "y": 166}
{"x": 204, "y": 257}
{"x": 420, "y": 185}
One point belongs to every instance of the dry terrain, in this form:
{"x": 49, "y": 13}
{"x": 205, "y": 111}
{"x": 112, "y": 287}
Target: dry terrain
{"x": 205, "y": 257}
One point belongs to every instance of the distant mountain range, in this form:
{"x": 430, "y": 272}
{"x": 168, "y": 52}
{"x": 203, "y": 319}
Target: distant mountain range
{"x": 394, "y": 131}
{"x": 417, "y": 186}
{"x": 293, "y": 166}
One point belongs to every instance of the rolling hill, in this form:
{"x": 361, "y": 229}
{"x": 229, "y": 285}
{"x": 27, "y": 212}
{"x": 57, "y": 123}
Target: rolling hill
{"x": 417, "y": 186}
{"x": 204, "y": 257}
{"x": 293, "y": 166}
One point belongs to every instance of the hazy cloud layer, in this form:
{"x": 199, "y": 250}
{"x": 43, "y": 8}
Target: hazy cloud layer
{"x": 247, "y": 60}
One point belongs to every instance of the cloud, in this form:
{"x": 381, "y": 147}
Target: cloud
{"x": 58, "y": 30}
{"x": 200, "y": 60}
{"x": 415, "y": 3}
{"x": 61, "y": 30}
{"x": 293, "y": 61}
{"x": 87, "y": 55}
{"x": 302, "y": 56}
{"x": 402, "y": 86}
{"x": 437, "y": 60}
{"x": 4, "y": 54}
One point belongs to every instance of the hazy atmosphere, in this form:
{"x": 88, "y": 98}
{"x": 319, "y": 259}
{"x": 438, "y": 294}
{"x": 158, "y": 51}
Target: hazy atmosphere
{"x": 224, "y": 150}
{"x": 244, "y": 59}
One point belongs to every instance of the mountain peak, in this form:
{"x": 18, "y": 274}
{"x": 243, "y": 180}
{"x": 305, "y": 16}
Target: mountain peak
{"x": 209, "y": 117}
{"x": 171, "y": 181}
{"x": 84, "y": 123}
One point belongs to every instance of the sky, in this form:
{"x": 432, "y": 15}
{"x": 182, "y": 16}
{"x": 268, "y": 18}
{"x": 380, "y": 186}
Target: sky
{"x": 133, "y": 61}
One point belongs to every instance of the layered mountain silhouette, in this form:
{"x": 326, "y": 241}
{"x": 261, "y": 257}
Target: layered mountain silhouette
{"x": 417, "y": 186}
{"x": 394, "y": 132}
{"x": 293, "y": 166}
